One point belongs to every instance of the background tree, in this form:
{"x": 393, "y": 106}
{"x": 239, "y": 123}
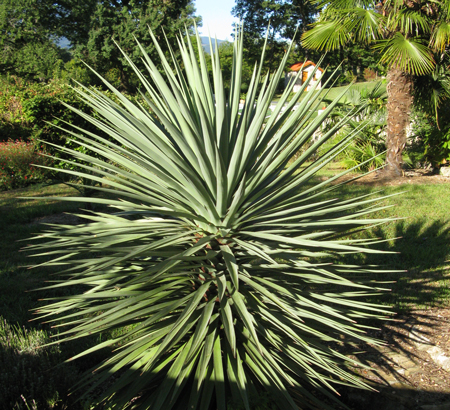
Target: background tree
{"x": 122, "y": 21}
{"x": 30, "y": 30}
{"x": 283, "y": 15}
{"x": 406, "y": 32}
{"x": 27, "y": 38}
{"x": 74, "y": 19}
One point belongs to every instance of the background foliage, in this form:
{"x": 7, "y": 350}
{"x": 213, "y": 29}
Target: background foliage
{"x": 20, "y": 164}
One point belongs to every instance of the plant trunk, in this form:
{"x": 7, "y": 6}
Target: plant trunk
{"x": 400, "y": 99}
{"x": 124, "y": 81}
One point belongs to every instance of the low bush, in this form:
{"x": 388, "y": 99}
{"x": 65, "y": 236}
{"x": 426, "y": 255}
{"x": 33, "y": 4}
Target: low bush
{"x": 370, "y": 75}
{"x": 19, "y": 162}
{"x": 368, "y": 118}
{"x": 367, "y": 155}
{"x": 37, "y": 114}
{"x": 346, "y": 77}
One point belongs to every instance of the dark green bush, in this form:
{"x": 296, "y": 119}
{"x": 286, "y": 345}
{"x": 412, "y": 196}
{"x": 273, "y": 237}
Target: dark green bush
{"x": 35, "y": 113}
{"x": 428, "y": 143}
{"x": 28, "y": 110}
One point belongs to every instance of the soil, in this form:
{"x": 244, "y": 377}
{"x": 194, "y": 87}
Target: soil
{"x": 417, "y": 176}
{"x": 403, "y": 371}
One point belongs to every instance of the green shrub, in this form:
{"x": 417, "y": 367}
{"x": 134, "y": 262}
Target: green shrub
{"x": 20, "y": 164}
{"x": 367, "y": 110}
{"x": 427, "y": 143}
{"x": 32, "y": 375}
{"x": 212, "y": 258}
{"x": 35, "y": 113}
{"x": 347, "y": 77}
{"x": 364, "y": 156}
{"x": 28, "y": 110}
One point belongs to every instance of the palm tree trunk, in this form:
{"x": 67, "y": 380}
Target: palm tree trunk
{"x": 400, "y": 98}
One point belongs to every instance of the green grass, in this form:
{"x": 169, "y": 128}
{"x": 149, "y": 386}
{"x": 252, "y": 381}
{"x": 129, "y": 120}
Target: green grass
{"x": 31, "y": 371}
{"x": 334, "y": 92}
{"x": 422, "y": 247}
{"x": 34, "y": 371}
{"x": 19, "y": 221}
{"x": 422, "y": 254}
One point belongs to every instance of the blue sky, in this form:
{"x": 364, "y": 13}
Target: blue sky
{"x": 216, "y": 17}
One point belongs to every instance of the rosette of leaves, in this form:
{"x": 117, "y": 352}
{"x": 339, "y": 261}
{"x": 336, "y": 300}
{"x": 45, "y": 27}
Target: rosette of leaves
{"x": 210, "y": 258}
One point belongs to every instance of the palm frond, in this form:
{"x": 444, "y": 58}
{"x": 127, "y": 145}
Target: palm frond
{"x": 440, "y": 37}
{"x": 339, "y": 25}
{"x": 326, "y": 35}
{"x": 407, "y": 54}
{"x": 409, "y": 22}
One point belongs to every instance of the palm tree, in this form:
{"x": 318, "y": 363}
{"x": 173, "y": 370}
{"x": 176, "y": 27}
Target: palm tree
{"x": 407, "y": 32}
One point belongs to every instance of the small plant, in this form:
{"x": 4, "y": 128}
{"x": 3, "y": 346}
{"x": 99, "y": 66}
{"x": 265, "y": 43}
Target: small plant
{"x": 212, "y": 257}
{"x": 367, "y": 112}
{"x": 370, "y": 75}
{"x": 427, "y": 143}
{"x": 21, "y": 164}
{"x": 364, "y": 155}
{"x": 347, "y": 77}
{"x": 33, "y": 404}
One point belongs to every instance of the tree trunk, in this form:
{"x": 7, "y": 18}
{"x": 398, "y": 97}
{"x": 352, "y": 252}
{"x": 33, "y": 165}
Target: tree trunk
{"x": 399, "y": 91}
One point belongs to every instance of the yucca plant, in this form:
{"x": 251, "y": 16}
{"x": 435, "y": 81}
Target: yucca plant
{"x": 215, "y": 260}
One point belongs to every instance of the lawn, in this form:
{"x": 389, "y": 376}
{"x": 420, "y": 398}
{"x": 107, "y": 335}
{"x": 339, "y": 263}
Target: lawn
{"x": 27, "y": 371}
{"x": 420, "y": 238}
{"x": 334, "y": 92}
{"x": 19, "y": 221}
{"x": 422, "y": 256}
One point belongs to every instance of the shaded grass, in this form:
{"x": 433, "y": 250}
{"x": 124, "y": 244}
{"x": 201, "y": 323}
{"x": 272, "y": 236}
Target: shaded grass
{"x": 420, "y": 239}
{"x": 19, "y": 221}
{"x": 30, "y": 370}
{"x": 22, "y": 219}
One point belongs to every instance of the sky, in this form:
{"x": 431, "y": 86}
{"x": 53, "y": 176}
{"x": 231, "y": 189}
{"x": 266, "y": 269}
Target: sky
{"x": 217, "y": 18}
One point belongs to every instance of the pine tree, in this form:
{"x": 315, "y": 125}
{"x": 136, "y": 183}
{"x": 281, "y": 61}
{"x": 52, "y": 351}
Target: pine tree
{"x": 122, "y": 22}
{"x": 27, "y": 38}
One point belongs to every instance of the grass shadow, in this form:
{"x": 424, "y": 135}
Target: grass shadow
{"x": 421, "y": 254}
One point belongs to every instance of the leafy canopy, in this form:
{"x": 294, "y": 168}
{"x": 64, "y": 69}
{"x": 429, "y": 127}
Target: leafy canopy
{"x": 26, "y": 39}
{"x": 283, "y": 20}
{"x": 125, "y": 21}
{"x": 406, "y": 32}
